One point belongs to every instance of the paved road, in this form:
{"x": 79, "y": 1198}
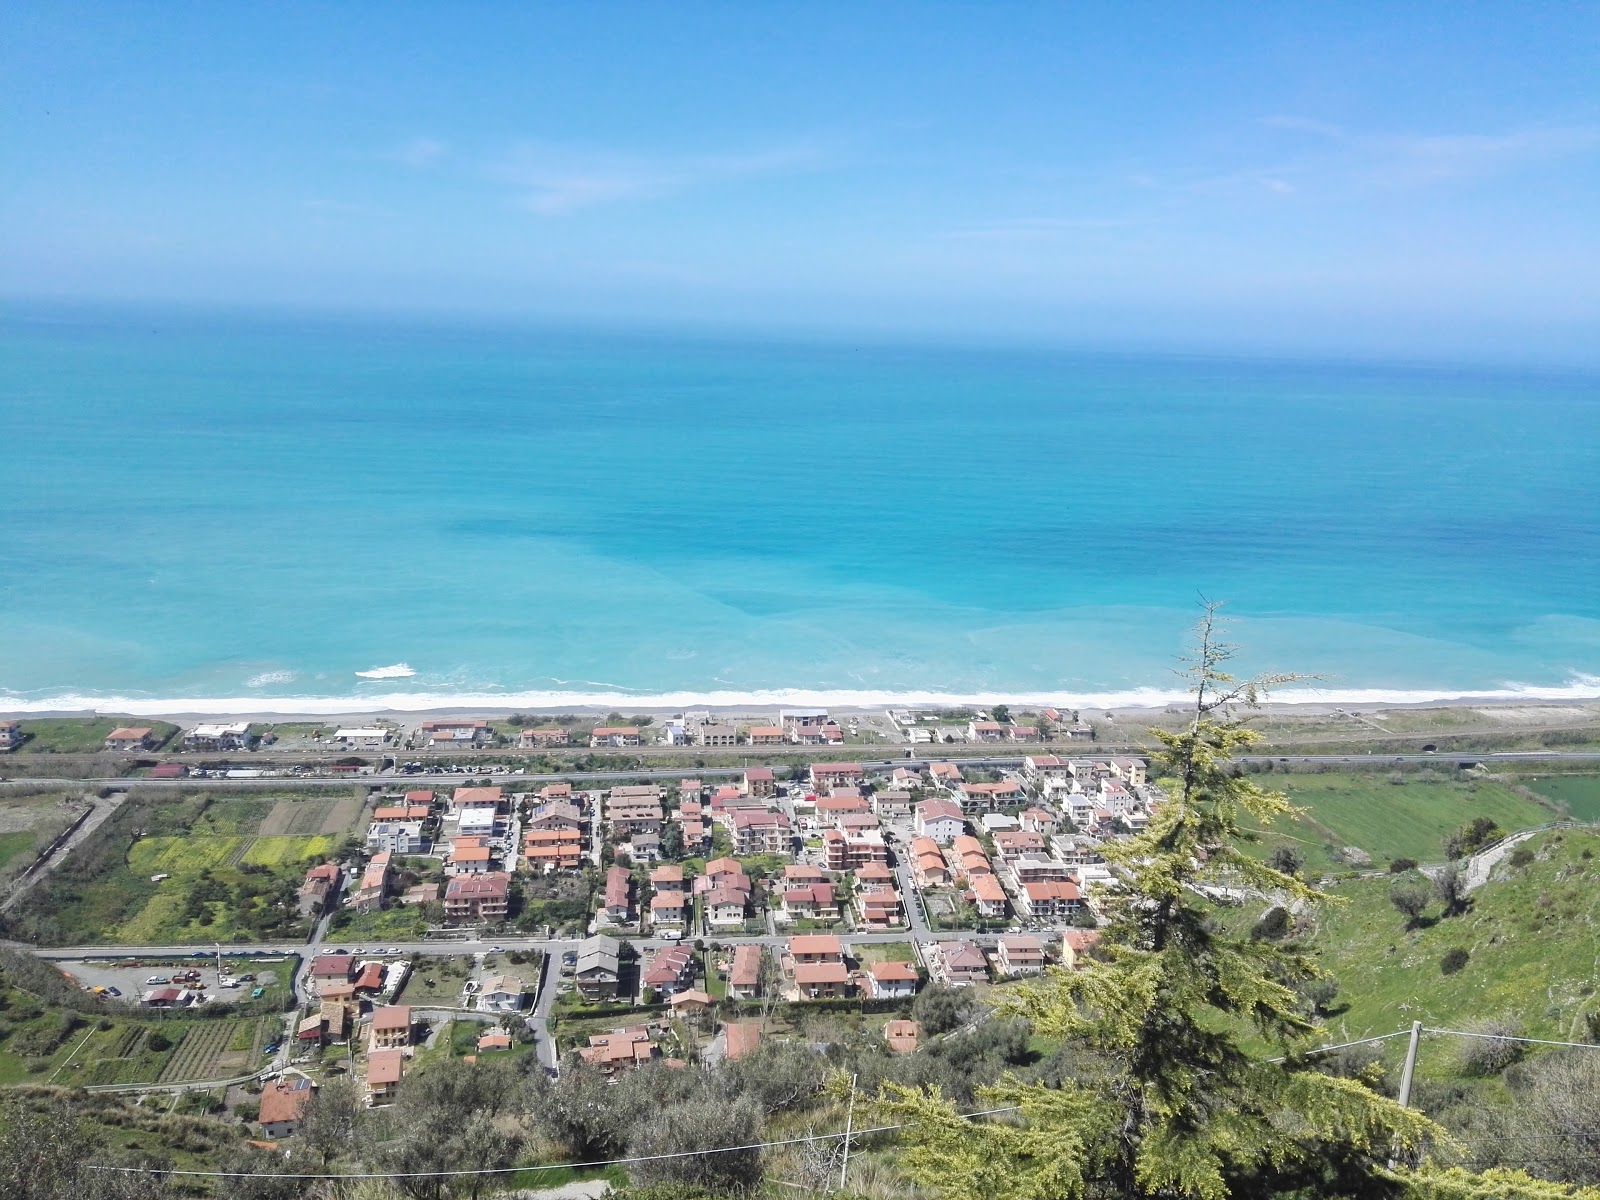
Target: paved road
{"x": 390, "y": 779}
{"x": 539, "y": 1019}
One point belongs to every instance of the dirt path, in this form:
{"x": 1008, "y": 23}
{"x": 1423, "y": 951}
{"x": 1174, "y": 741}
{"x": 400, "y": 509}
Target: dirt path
{"x": 100, "y": 810}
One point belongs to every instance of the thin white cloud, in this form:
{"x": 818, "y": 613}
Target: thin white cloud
{"x": 1420, "y": 159}
{"x": 419, "y": 153}
{"x": 553, "y": 180}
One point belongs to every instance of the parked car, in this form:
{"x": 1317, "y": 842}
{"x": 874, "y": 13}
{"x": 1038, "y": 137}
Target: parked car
{"x": 155, "y": 979}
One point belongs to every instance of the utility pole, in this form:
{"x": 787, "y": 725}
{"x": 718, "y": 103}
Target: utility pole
{"x": 1411, "y": 1064}
{"x": 849, "y": 1120}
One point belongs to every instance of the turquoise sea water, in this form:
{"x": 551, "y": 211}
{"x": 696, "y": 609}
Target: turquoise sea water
{"x": 239, "y": 512}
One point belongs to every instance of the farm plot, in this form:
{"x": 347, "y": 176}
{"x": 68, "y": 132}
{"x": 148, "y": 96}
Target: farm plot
{"x": 276, "y": 851}
{"x": 205, "y": 1052}
{"x": 295, "y": 816}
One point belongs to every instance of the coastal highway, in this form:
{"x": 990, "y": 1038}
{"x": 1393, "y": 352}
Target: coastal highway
{"x": 425, "y": 780}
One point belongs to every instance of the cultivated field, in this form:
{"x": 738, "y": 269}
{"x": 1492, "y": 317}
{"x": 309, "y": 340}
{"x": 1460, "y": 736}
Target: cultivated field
{"x": 1406, "y": 818}
{"x": 225, "y": 878}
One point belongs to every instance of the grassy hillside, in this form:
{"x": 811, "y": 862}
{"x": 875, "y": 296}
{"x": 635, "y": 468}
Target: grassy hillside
{"x": 67, "y": 735}
{"x": 1532, "y": 934}
{"x": 1399, "y": 816}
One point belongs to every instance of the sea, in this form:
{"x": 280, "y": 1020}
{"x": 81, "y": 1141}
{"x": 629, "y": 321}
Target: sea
{"x": 233, "y": 512}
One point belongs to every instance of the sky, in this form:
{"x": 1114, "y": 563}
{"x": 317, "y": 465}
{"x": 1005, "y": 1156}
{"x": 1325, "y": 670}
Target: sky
{"x": 1418, "y": 179}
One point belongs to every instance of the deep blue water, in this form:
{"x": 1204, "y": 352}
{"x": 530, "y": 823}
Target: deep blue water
{"x": 223, "y": 507}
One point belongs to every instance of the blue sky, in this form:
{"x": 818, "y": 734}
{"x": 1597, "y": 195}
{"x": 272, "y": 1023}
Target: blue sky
{"x": 1415, "y": 179}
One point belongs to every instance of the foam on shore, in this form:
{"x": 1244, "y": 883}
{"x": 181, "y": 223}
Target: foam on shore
{"x": 1579, "y": 687}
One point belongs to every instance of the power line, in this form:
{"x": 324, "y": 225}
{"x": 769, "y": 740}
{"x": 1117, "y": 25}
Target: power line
{"x": 1507, "y": 1037}
{"x": 610, "y": 1162}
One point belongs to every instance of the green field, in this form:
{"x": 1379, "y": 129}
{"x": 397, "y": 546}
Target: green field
{"x": 1578, "y": 794}
{"x": 223, "y": 881}
{"x": 78, "y": 735}
{"x": 1406, "y": 819}
{"x": 17, "y": 846}
{"x": 404, "y": 923}
{"x": 1533, "y": 933}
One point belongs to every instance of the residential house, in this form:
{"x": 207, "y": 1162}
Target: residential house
{"x": 939, "y": 820}
{"x": 384, "y": 1070}
{"x": 398, "y": 829}
{"x": 126, "y": 740}
{"x": 758, "y": 831}
{"x": 634, "y": 809}
{"x": 989, "y": 897}
{"x": 1022, "y": 733}
{"x": 1036, "y": 868}
{"x": 218, "y": 736}
{"x": 724, "y": 907}
{"x": 891, "y": 804}
{"x": 669, "y": 909}
{"x": 744, "y": 978}
{"x": 990, "y": 797}
{"x": 371, "y": 737}
{"x": 716, "y": 735}
{"x": 809, "y": 902}
{"x": 961, "y": 963}
{"x": 619, "y": 888}
{"x": 928, "y": 867}
{"x": 547, "y": 735}
{"x": 282, "y": 1103}
{"x": 806, "y": 948}
{"x": 722, "y": 872}
{"x": 802, "y": 718}
{"x": 642, "y": 849}
{"x": 321, "y": 884}
{"x": 767, "y": 735}
{"x": 668, "y": 971}
{"x": 945, "y": 773}
{"x": 1012, "y": 844}
{"x": 614, "y": 736}
{"x": 478, "y": 897}
{"x": 817, "y": 735}
{"x": 374, "y": 885}
{"x": 693, "y": 1002}
{"x": 621, "y": 1048}
{"x": 454, "y": 733}
{"x": 906, "y": 779}
{"x": 1020, "y": 956}
{"x": 494, "y": 1039}
{"x": 998, "y": 822}
{"x": 743, "y": 1038}
{"x": 840, "y": 803}
{"x": 503, "y": 993}
{"x": 668, "y": 877}
{"x": 1038, "y": 820}
{"x": 758, "y": 782}
{"x": 1075, "y": 943}
{"x": 821, "y": 980}
{"x": 986, "y": 731}
{"x": 902, "y": 1036}
{"x": 331, "y": 969}
{"x": 308, "y": 1032}
{"x": 595, "y": 974}
{"x": 892, "y": 980}
{"x": 878, "y": 908}
{"x": 801, "y": 874}
{"x": 1052, "y": 898}
{"x": 1132, "y": 771}
{"x": 391, "y": 1026}
{"x": 848, "y": 851}
{"x": 470, "y": 856}
{"x": 11, "y": 735}
{"x": 967, "y": 859}
{"x": 335, "y": 1020}
{"x": 556, "y": 849}
{"x": 560, "y": 793}
{"x": 874, "y": 875}
{"x": 826, "y": 776}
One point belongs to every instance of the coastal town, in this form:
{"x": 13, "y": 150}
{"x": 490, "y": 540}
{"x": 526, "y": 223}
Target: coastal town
{"x": 654, "y": 919}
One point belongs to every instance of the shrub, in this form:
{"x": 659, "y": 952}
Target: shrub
{"x": 1491, "y": 1051}
{"x": 1399, "y": 865}
{"x": 1273, "y": 925}
{"x": 1453, "y": 960}
{"x": 1521, "y": 856}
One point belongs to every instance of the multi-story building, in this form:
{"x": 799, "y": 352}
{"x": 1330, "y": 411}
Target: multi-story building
{"x": 1020, "y": 956}
{"x": 619, "y": 888}
{"x": 758, "y": 831}
{"x": 595, "y": 974}
{"x": 744, "y": 978}
{"x": 391, "y": 1026}
{"x": 758, "y": 782}
{"x": 614, "y": 737}
{"x": 553, "y": 849}
{"x": 826, "y": 776}
{"x": 478, "y": 897}
{"x": 848, "y": 851}
{"x": 940, "y": 820}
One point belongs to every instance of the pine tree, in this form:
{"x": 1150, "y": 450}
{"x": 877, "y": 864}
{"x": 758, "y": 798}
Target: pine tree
{"x": 1168, "y": 1100}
